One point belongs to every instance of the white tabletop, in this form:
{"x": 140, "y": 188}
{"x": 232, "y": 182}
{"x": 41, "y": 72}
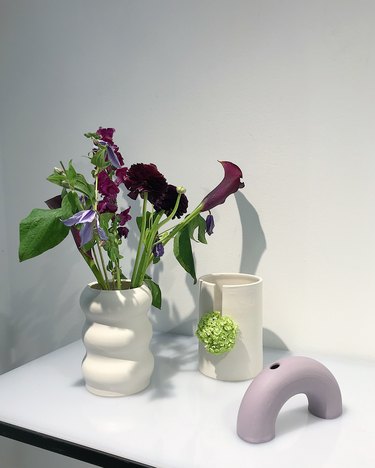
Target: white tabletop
{"x": 187, "y": 420}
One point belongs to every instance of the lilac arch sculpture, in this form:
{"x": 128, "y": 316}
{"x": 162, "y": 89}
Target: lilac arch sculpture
{"x": 277, "y": 383}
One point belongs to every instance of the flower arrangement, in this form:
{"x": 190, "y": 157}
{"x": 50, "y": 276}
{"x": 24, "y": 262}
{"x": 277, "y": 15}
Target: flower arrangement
{"x": 91, "y": 212}
{"x": 217, "y": 332}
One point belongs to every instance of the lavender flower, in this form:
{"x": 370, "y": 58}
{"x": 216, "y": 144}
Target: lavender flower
{"x": 158, "y": 250}
{"x": 210, "y": 224}
{"x": 90, "y": 221}
{"x": 113, "y": 153}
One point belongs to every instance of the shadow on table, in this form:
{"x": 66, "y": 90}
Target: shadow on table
{"x": 172, "y": 355}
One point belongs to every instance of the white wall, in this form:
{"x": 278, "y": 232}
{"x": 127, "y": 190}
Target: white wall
{"x": 284, "y": 89}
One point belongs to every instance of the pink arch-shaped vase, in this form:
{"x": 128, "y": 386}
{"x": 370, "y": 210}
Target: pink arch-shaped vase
{"x": 277, "y": 383}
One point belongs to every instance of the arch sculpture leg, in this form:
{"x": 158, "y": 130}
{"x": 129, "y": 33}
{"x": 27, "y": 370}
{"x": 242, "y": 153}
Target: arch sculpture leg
{"x": 277, "y": 383}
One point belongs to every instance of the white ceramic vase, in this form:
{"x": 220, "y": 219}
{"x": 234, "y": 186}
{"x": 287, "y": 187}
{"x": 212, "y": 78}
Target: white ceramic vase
{"x": 117, "y": 336}
{"x": 240, "y": 297}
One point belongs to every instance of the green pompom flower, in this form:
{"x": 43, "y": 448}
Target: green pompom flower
{"x": 217, "y": 332}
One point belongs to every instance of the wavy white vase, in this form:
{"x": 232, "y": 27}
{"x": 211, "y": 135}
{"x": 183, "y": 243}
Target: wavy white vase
{"x": 117, "y": 336}
{"x": 239, "y": 296}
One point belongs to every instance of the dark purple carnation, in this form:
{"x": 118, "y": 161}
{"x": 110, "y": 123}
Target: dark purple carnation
{"x": 107, "y": 205}
{"x": 168, "y": 200}
{"x": 142, "y": 178}
{"x": 106, "y": 186}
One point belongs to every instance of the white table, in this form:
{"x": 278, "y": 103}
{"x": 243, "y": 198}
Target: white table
{"x": 184, "y": 419}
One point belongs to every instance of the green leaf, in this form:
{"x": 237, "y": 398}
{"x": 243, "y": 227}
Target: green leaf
{"x": 70, "y": 205}
{"x": 155, "y": 291}
{"x": 58, "y": 179}
{"x": 71, "y": 174}
{"x": 200, "y": 223}
{"x": 183, "y": 252}
{"x": 104, "y": 219}
{"x": 139, "y": 220}
{"x": 98, "y": 158}
{"x": 40, "y": 231}
{"x": 84, "y": 187}
{"x": 92, "y": 135}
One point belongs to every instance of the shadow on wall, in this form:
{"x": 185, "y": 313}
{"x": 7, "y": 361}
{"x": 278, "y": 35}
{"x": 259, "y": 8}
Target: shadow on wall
{"x": 44, "y": 316}
{"x": 254, "y": 244}
{"x": 271, "y": 340}
{"x": 253, "y": 238}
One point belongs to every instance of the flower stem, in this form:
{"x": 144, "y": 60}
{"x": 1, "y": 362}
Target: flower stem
{"x": 141, "y": 240}
{"x": 174, "y": 211}
{"x": 94, "y": 267}
{"x": 149, "y": 241}
{"x": 118, "y": 275}
{"x": 182, "y": 224}
{"x": 103, "y": 264}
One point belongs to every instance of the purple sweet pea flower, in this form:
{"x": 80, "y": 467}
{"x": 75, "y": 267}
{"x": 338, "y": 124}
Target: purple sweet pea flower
{"x": 106, "y": 186}
{"x": 124, "y": 216}
{"x": 230, "y": 184}
{"x": 90, "y": 221}
{"x": 107, "y": 205}
{"x": 210, "y": 224}
{"x": 106, "y": 134}
{"x": 123, "y": 231}
{"x": 121, "y": 175}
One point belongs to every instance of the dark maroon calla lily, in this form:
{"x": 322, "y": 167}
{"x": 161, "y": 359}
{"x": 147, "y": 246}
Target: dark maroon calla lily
{"x": 230, "y": 184}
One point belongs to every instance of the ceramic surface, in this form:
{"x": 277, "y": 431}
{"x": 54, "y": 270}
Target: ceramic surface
{"x": 239, "y": 296}
{"x": 117, "y": 335}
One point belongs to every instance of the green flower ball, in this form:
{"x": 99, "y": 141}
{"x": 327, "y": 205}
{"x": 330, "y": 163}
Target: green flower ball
{"x": 217, "y": 332}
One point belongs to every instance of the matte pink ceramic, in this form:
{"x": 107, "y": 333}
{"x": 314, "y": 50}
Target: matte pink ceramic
{"x": 277, "y": 383}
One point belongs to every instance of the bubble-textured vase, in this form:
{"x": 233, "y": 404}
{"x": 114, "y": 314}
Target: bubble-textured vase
{"x": 117, "y": 335}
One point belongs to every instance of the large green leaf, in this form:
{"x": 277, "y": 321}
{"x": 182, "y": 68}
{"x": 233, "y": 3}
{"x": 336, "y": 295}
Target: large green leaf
{"x": 155, "y": 291}
{"x": 183, "y": 252}
{"x": 40, "y": 231}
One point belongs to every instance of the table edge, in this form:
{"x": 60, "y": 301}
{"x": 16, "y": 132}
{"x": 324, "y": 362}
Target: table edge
{"x": 66, "y": 448}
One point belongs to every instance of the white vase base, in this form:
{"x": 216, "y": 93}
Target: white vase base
{"x": 107, "y": 393}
